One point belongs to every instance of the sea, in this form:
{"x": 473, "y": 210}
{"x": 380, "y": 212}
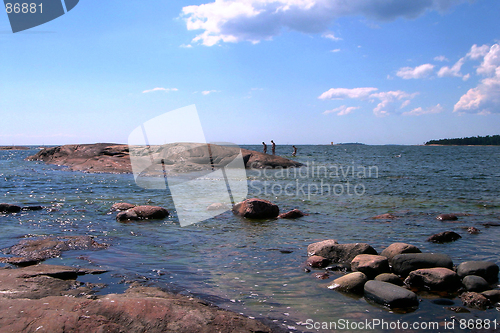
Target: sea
{"x": 256, "y": 267}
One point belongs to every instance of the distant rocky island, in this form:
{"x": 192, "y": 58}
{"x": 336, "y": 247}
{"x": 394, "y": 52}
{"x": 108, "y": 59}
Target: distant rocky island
{"x": 488, "y": 140}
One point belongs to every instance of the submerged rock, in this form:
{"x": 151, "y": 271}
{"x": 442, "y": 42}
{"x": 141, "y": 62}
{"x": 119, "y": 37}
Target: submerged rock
{"x": 51, "y": 247}
{"x": 317, "y": 262}
{"x": 386, "y": 216}
{"x": 473, "y": 231}
{"x": 369, "y": 264}
{"x": 447, "y": 217}
{"x": 350, "y": 283}
{"x": 218, "y": 206}
{"x": 390, "y": 295}
{"x": 486, "y": 269}
{"x": 256, "y": 209}
{"x": 435, "y": 279}
{"x": 475, "y": 283}
{"x": 399, "y": 248}
{"x": 293, "y": 214}
{"x": 475, "y": 300}
{"x": 8, "y": 208}
{"x": 444, "y": 237}
{"x": 403, "y": 264}
{"x": 143, "y": 213}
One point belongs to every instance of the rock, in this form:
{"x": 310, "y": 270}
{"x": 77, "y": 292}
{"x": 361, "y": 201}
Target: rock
{"x": 399, "y": 248}
{"x": 435, "y": 279}
{"x": 142, "y": 213}
{"x": 343, "y": 253}
{"x": 218, "y": 206}
{"x": 120, "y": 206}
{"x": 319, "y": 248}
{"x": 339, "y": 267}
{"x": 492, "y": 295}
{"x": 473, "y": 231}
{"x": 389, "y": 278}
{"x": 293, "y": 214}
{"x": 444, "y": 237}
{"x": 322, "y": 276}
{"x": 350, "y": 283}
{"x": 491, "y": 224}
{"x": 8, "y": 208}
{"x": 457, "y": 309}
{"x": 32, "y": 208}
{"x": 488, "y": 270}
{"x": 475, "y": 283}
{"x": 447, "y": 217}
{"x": 403, "y": 264}
{"x": 177, "y": 157}
{"x": 386, "y": 216}
{"x": 40, "y": 303}
{"x": 389, "y": 295}
{"x": 256, "y": 209}
{"x": 19, "y": 261}
{"x": 369, "y": 264}
{"x": 475, "y": 300}
{"x": 51, "y": 247}
{"x": 317, "y": 262}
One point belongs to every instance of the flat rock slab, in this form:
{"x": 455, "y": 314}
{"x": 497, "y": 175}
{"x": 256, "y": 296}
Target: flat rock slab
{"x": 403, "y": 264}
{"x": 350, "y": 283}
{"x": 486, "y": 269}
{"x": 399, "y": 248}
{"x": 435, "y": 279}
{"x": 343, "y": 253}
{"x": 370, "y": 264}
{"x": 51, "y": 247}
{"x": 390, "y": 295}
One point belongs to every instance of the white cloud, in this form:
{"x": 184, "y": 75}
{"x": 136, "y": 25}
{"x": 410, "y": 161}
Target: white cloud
{"x": 418, "y": 72}
{"x": 441, "y": 58}
{"x": 419, "y": 111}
{"x": 388, "y": 100}
{"x": 207, "y": 92}
{"x": 342, "y": 110}
{"x": 186, "y": 46}
{"x": 453, "y": 71}
{"x": 485, "y": 97}
{"x": 335, "y": 50}
{"x": 341, "y": 93}
{"x": 233, "y": 21}
{"x": 331, "y": 36}
{"x": 160, "y": 89}
{"x": 477, "y": 52}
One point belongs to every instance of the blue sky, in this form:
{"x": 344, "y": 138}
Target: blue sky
{"x": 296, "y": 71}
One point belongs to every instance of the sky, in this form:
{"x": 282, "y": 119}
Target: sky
{"x": 292, "y": 71}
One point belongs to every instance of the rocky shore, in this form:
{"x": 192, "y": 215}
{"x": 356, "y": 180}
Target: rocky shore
{"x": 181, "y": 157}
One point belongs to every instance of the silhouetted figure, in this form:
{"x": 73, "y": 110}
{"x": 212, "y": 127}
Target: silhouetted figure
{"x": 273, "y": 148}
{"x": 265, "y": 148}
{"x": 294, "y": 151}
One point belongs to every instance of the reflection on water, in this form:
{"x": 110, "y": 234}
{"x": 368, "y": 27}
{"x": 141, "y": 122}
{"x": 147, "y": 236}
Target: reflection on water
{"x": 237, "y": 263}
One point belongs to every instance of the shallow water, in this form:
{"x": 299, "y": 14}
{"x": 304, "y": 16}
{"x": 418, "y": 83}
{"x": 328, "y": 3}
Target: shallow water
{"x": 255, "y": 267}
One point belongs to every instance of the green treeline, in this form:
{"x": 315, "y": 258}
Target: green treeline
{"x": 472, "y": 141}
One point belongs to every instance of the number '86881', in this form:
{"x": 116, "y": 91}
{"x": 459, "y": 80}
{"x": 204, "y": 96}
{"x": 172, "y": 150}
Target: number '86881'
{"x": 25, "y": 8}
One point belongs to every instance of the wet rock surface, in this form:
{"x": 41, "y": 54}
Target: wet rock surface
{"x": 475, "y": 300}
{"x": 343, "y": 253}
{"x": 399, "y": 248}
{"x": 436, "y": 279}
{"x": 486, "y": 269}
{"x": 390, "y": 295}
{"x": 390, "y": 278}
{"x": 369, "y": 264}
{"x": 403, "y": 264}
{"x": 352, "y": 283}
{"x": 39, "y": 249}
{"x": 444, "y": 237}
{"x": 142, "y": 213}
{"x": 475, "y": 283}
{"x": 256, "y": 209}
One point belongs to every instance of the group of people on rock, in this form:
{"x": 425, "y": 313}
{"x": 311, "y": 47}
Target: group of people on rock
{"x": 273, "y": 148}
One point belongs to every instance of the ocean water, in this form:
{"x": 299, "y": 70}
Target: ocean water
{"x": 257, "y": 267}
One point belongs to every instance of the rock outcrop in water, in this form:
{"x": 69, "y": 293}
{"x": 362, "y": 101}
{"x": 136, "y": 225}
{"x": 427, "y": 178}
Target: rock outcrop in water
{"x": 179, "y": 157}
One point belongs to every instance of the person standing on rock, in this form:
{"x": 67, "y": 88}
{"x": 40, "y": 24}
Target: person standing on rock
{"x": 294, "y": 151}
{"x": 265, "y": 148}
{"x": 273, "y": 148}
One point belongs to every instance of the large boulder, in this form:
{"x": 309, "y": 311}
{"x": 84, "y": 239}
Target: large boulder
{"x": 370, "y": 264}
{"x": 8, "y": 208}
{"x": 475, "y": 283}
{"x": 399, "y": 248}
{"x": 390, "y": 278}
{"x": 475, "y": 300}
{"x": 350, "y": 283}
{"x": 403, "y": 264}
{"x": 436, "y": 279}
{"x": 343, "y": 253}
{"x": 486, "y": 269}
{"x": 389, "y": 295}
{"x": 256, "y": 209}
{"x": 142, "y": 213}
{"x": 444, "y": 237}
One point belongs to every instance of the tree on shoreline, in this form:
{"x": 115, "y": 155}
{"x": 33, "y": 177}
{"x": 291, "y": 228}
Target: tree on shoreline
{"x": 488, "y": 140}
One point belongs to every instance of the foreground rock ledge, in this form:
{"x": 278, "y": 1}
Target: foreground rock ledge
{"x": 139, "y": 309}
{"x": 185, "y": 157}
